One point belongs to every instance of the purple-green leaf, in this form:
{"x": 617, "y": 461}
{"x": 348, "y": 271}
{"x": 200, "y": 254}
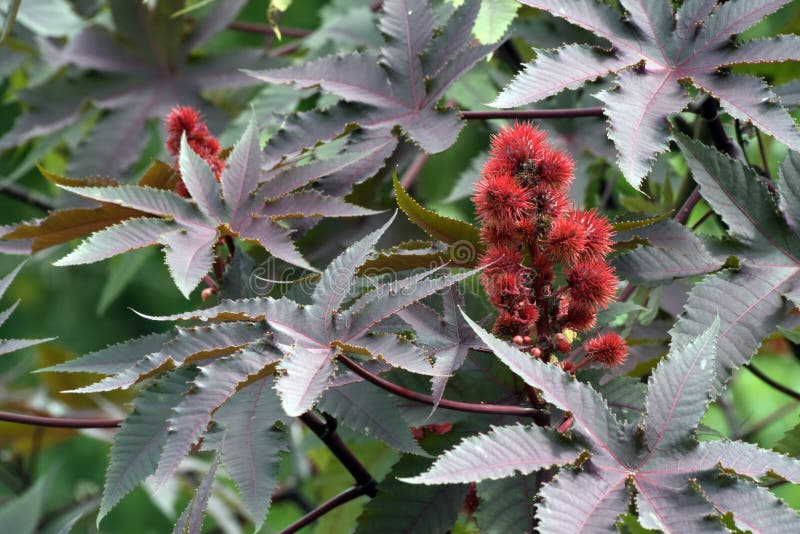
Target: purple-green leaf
{"x": 398, "y": 87}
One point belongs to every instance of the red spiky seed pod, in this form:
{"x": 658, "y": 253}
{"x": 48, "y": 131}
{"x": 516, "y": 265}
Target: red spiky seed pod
{"x": 555, "y": 168}
{"x": 528, "y": 313}
{"x": 501, "y": 201}
{"x": 507, "y": 324}
{"x": 501, "y": 259}
{"x": 608, "y": 349}
{"x": 498, "y": 236}
{"x": 549, "y": 203}
{"x": 592, "y": 281}
{"x": 187, "y": 119}
{"x": 516, "y": 147}
{"x": 598, "y": 233}
{"x": 567, "y": 239}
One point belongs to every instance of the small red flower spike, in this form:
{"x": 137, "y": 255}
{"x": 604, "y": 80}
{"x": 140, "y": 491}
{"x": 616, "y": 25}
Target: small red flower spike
{"x": 471, "y": 502}
{"x": 187, "y": 119}
{"x": 418, "y": 432}
{"x": 208, "y": 292}
{"x": 608, "y": 349}
{"x": 592, "y": 281}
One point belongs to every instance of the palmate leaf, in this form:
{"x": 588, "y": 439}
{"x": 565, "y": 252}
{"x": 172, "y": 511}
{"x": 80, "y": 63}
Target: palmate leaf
{"x": 143, "y": 357}
{"x": 315, "y": 333}
{"x": 61, "y": 226}
{"x": 445, "y": 229}
{"x": 506, "y": 504}
{"x": 493, "y": 19}
{"x": 398, "y": 88}
{"x": 191, "y": 520}
{"x": 189, "y": 230}
{"x": 137, "y": 73}
{"x": 113, "y": 359}
{"x": 769, "y": 265}
{"x": 486, "y": 456}
{"x": 675, "y": 478}
{"x": 310, "y": 336}
{"x": 652, "y": 52}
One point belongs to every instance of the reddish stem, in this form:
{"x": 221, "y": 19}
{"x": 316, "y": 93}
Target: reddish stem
{"x": 58, "y": 422}
{"x": 568, "y": 113}
{"x": 344, "y": 497}
{"x": 400, "y": 391}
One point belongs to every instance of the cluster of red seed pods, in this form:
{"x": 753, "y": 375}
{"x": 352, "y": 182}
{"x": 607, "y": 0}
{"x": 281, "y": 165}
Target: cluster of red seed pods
{"x": 536, "y": 240}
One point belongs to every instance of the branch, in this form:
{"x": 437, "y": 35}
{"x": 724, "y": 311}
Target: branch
{"x": 533, "y": 114}
{"x": 686, "y": 209}
{"x": 59, "y": 422}
{"x": 344, "y": 497}
{"x": 400, "y": 391}
{"x": 266, "y": 29}
{"x": 284, "y": 50}
{"x": 414, "y": 169}
{"x": 365, "y": 484}
{"x": 326, "y": 431}
{"x": 11, "y": 17}
{"x": 767, "y": 380}
{"x": 709, "y": 110}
